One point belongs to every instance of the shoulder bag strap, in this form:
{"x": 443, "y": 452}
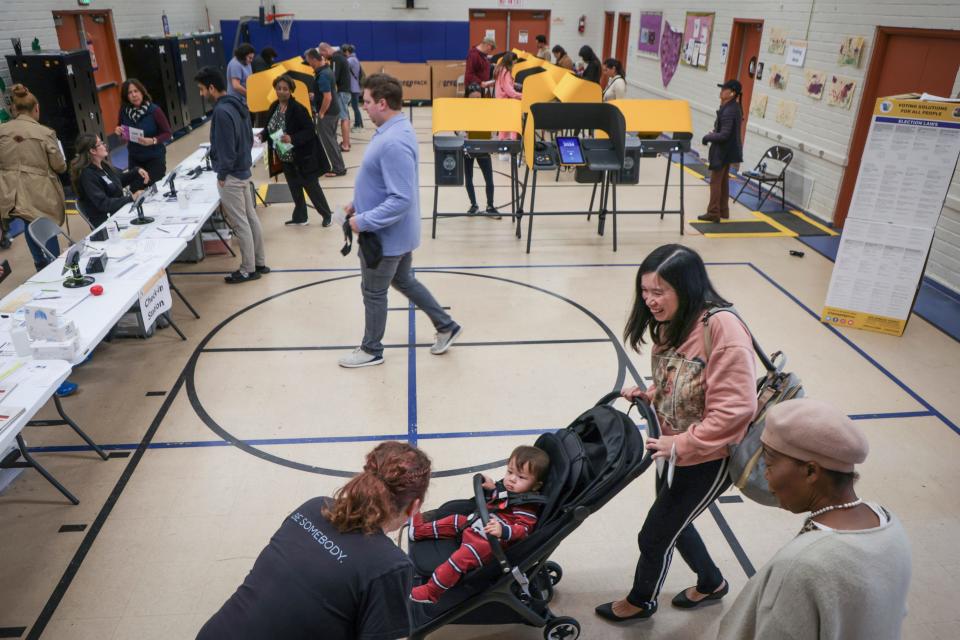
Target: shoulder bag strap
{"x": 708, "y": 339}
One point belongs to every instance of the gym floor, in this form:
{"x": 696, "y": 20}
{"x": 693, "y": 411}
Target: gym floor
{"x": 215, "y": 440}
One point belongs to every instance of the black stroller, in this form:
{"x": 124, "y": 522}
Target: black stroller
{"x": 591, "y": 461}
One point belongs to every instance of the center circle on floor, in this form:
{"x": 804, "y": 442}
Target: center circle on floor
{"x": 234, "y": 420}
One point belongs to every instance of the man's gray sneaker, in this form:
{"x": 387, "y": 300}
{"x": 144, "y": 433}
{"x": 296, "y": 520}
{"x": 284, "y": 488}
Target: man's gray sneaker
{"x": 445, "y": 340}
{"x": 359, "y": 358}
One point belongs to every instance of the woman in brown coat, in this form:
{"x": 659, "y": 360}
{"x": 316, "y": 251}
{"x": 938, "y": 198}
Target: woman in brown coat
{"x": 30, "y": 160}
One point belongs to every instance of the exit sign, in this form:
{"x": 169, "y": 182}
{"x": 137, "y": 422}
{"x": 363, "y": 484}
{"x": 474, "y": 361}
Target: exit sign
{"x": 83, "y": 3}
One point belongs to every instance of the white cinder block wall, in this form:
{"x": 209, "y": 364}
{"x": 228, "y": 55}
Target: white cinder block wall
{"x": 29, "y": 19}
{"x": 821, "y": 134}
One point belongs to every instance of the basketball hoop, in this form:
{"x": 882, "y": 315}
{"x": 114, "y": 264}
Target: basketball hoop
{"x": 285, "y": 20}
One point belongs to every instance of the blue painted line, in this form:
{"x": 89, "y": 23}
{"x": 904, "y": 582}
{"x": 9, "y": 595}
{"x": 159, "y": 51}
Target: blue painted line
{"x": 463, "y": 267}
{"x": 267, "y": 442}
{"x": 412, "y": 374}
{"x": 910, "y": 392}
{"x": 889, "y": 416}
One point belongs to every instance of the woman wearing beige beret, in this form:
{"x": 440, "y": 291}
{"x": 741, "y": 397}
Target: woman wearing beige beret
{"x": 846, "y": 573}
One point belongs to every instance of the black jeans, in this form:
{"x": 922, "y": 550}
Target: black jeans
{"x": 156, "y": 167}
{"x": 669, "y": 524}
{"x": 355, "y": 103}
{"x": 297, "y": 184}
{"x": 486, "y": 167}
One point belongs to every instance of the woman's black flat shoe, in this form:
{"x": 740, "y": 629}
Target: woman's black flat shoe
{"x": 683, "y": 602}
{"x": 606, "y": 611}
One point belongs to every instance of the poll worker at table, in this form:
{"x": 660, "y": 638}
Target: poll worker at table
{"x": 138, "y": 111}
{"x": 386, "y": 203}
{"x": 231, "y": 138}
{"x": 30, "y": 159}
{"x": 303, "y": 162}
{"x": 98, "y": 185}
{"x": 330, "y": 571}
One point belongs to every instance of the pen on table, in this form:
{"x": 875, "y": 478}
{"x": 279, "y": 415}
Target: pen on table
{"x": 162, "y": 229}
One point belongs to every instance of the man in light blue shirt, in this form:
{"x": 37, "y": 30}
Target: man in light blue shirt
{"x": 387, "y": 204}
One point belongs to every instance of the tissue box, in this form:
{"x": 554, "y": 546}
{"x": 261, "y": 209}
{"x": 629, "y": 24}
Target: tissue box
{"x": 45, "y": 323}
{"x": 56, "y": 349}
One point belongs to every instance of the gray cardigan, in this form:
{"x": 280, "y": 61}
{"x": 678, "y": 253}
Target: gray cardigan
{"x": 827, "y": 585}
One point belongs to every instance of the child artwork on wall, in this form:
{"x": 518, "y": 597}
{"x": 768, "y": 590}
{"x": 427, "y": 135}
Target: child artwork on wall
{"x": 787, "y": 113}
{"x": 651, "y": 23}
{"x": 697, "y": 37}
{"x": 840, "y": 91}
{"x": 758, "y": 107}
{"x": 669, "y": 53}
{"x": 813, "y": 84}
{"x": 778, "y": 40}
{"x": 778, "y": 76}
{"x": 851, "y": 48}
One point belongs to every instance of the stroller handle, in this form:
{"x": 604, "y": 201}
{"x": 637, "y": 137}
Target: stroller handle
{"x": 481, "y": 501}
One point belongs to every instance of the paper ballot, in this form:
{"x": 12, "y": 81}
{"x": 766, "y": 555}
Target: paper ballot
{"x": 281, "y": 147}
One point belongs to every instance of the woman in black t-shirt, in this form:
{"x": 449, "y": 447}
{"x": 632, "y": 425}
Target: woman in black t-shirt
{"x": 330, "y": 571}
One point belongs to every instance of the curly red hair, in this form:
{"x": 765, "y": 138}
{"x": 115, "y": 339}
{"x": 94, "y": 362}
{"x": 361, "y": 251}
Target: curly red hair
{"x": 394, "y": 475}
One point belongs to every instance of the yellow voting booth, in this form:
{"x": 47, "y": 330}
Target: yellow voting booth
{"x": 260, "y": 93}
{"x": 570, "y": 88}
{"x": 451, "y": 116}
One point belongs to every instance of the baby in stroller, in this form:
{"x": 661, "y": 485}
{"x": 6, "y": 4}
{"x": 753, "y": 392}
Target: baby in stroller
{"x": 514, "y": 505}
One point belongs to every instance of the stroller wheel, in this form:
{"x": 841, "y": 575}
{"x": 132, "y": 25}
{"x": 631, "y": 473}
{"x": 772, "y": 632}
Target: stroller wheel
{"x": 554, "y": 571}
{"x": 562, "y": 628}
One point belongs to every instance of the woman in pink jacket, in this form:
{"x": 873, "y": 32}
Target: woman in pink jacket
{"x": 704, "y": 403}
{"x": 504, "y": 86}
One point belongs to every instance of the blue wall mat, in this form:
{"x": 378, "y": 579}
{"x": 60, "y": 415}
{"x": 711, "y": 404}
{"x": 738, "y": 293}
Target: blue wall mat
{"x": 409, "y": 42}
{"x": 403, "y": 41}
{"x": 433, "y": 40}
{"x": 384, "y": 42}
{"x": 458, "y": 41}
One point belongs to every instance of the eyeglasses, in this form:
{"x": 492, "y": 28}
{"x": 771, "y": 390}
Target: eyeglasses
{"x": 101, "y": 143}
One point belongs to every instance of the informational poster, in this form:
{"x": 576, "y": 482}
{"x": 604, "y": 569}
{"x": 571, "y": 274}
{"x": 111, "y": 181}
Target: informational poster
{"x": 697, "y": 34}
{"x": 905, "y": 171}
{"x": 651, "y": 23}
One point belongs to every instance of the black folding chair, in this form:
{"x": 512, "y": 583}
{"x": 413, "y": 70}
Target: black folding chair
{"x": 760, "y": 173}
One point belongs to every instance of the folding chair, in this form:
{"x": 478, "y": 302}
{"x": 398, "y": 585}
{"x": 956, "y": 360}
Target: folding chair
{"x": 762, "y": 176}
{"x": 42, "y": 231}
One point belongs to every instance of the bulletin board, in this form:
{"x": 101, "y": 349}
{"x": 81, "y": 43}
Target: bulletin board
{"x": 697, "y": 38}
{"x": 651, "y": 22}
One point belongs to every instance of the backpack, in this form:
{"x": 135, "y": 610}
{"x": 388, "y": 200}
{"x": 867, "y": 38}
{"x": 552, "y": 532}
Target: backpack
{"x": 746, "y": 467}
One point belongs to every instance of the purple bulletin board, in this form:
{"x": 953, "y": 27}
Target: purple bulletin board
{"x": 650, "y": 25}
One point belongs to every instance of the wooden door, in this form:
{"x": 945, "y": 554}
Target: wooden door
{"x": 904, "y": 61}
{"x": 94, "y": 30}
{"x": 607, "y": 35}
{"x": 525, "y": 26}
{"x": 623, "y": 38}
{"x": 484, "y": 22}
{"x": 742, "y": 60}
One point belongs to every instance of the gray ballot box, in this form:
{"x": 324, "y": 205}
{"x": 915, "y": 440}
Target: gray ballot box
{"x": 448, "y": 160}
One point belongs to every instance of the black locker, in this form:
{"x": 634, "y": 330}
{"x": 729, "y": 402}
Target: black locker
{"x": 64, "y": 85}
{"x": 154, "y": 62}
{"x": 189, "y": 65}
{"x": 210, "y": 54}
